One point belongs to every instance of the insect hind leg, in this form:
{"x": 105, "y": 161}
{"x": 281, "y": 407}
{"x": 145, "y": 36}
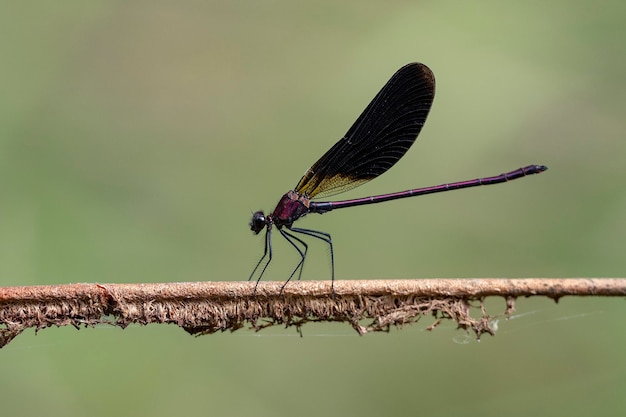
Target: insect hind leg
{"x": 326, "y": 238}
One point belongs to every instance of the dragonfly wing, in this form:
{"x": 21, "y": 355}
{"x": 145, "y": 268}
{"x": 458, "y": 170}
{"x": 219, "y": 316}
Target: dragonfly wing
{"x": 378, "y": 138}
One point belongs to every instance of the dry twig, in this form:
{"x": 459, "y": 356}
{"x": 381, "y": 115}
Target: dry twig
{"x": 208, "y": 307}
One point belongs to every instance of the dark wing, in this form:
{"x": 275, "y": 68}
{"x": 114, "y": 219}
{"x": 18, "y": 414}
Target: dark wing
{"x": 379, "y": 138}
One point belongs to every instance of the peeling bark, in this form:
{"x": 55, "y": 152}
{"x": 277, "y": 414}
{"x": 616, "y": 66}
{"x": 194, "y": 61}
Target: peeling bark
{"x": 208, "y": 307}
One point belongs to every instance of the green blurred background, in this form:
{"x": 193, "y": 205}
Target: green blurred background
{"x": 137, "y": 138}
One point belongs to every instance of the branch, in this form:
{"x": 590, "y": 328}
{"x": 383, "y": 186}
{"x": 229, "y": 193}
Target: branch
{"x": 208, "y": 307}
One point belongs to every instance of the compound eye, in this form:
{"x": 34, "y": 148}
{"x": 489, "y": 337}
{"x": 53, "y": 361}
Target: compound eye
{"x": 258, "y": 222}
